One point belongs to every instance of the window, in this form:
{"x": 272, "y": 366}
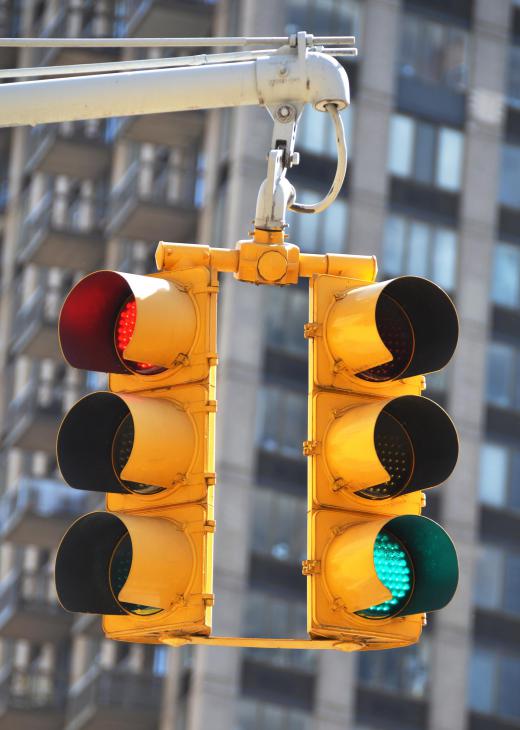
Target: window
{"x": 316, "y": 132}
{"x": 505, "y": 286}
{"x": 513, "y": 77}
{"x": 509, "y": 193}
{"x": 287, "y": 312}
{"x": 401, "y": 670}
{"x": 499, "y": 483}
{"x": 270, "y": 616}
{"x": 494, "y": 679}
{"x": 282, "y": 421}
{"x": 426, "y": 153}
{"x": 279, "y": 526}
{"x": 503, "y": 375}
{"x": 413, "y": 247}
{"x": 497, "y": 580}
{"x": 433, "y": 52}
{"x": 324, "y": 17}
{"x": 266, "y": 716}
{"x": 323, "y": 233}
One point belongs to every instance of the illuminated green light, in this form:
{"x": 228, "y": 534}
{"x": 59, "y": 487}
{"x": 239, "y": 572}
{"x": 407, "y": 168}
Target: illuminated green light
{"x": 394, "y": 569}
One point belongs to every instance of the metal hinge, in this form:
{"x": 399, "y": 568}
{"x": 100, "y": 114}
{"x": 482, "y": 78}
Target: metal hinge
{"x": 311, "y": 448}
{"x": 311, "y": 329}
{"x": 311, "y": 567}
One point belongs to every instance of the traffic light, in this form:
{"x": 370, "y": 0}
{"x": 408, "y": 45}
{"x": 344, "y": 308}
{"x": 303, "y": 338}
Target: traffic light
{"x": 375, "y": 564}
{"x": 148, "y": 443}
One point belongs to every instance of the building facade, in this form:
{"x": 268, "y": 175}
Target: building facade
{"x": 433, "y": 189}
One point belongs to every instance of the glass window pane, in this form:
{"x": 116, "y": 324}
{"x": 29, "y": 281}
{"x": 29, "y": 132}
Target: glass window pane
{"x": 401, "y": 145}
{"x": 334, "y": 228}
{"x": 261, "y": 519}
{"x": 481, "y": 681}
{"x": 393, "y": 245}
{"x": 513, "y": 85}
{"x": 514, "y": 486}
{"x": 506, "y": 275}
{"x": 418, "y": 241}
{"x": 444, "y": 258}
{"x": 500, "y": 372}
{"x": 493, "y": 474}
{"x": 508, "y": 699}
{"x": 488, "y": 577}
{"x": 449, "y": 159}
{"x": 512, "y": 583}
{"x": 510, "y": 176}
{"x": 424, "y": 153}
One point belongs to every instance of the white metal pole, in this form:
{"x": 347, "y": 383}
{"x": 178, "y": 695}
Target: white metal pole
{"x": 126, "y": 94}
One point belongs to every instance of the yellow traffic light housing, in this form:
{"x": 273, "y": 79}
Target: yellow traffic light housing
{"x": 375, "y": 565}
{"x": 146, "y": 563}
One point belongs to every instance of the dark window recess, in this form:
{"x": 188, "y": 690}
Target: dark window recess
{"x": 281, "y": 686}
{"x": 408, "y": 196}
{"x": 184, "y": 684}
{"x": 279, "y": 578}
{"x": 502, "y": 423}
{"x": 497, "y": 629}
{"x": 513, "y": 125}
{"x": 499, "y": 526}
{"x": 515, "y": 24}
{"x": 489, "y": 722}
{"x": 393, "y": 712}
{"x": 352, "y": 69}
{"x": 320, "y": 170}
{"x": 509, "y": 224}
{"x": 506, "y": 322}
{"x": 281, "y": 367}
{"x": 434, "y": 102}
{"x": 460, "y": 11}
{"x": 288, "y": 475}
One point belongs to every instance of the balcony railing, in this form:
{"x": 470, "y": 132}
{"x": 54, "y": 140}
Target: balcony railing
{"x": 34, "y": 331}
{"x": 133, "y": 698}
{"x": 70, "y": 240}
{"x": 146, "y": 207}
{"x": 150, "y": 18}
{"x": 29, "y": 608}
{"x": 30, "y": 690}
{"x": 33, "y": 416}
{"x": 38, "y": 511}
{"x": 78, "y": 149}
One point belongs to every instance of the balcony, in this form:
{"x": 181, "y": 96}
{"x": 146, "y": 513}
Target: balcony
{"x": 178, "y": 128}
{"x": 162, "y": 18}
{"x": 76, "y": 149}
{"x": 45, "y": 241}
{"x": 29, "y": 608}
{"x": 88, "y": 624}
{"x": 30, "y": 700}
{"x": 39, "y": 511}
{"x": 116, "y": 699}
{"x": 89, "y": 19}
{"x": 9, "y": 28}
{"x": 151, "y": 212}
{"x": 35, "y": 325}
{"x": 33, "y": 417}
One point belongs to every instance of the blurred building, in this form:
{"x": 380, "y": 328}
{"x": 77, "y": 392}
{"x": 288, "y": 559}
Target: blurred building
{"x": 433, "y": 189}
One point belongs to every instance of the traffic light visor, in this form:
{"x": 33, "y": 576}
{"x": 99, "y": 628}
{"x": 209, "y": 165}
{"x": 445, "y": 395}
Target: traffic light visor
{"x": 114, "y": 564}
{"x": 125, "y": 444}
{"x": 392, "y": 330}
{"x": 391, "y": 447}
{"x": 126, "y": 323}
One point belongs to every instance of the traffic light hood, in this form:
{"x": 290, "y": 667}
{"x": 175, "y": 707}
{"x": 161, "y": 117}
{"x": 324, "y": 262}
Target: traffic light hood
{"x": 115, "y": 563}
{"x": 163, "y": 329}
{"x": 386, "y": 448}
{"x": 393, "y": 329}
{"x": 125, "y": 443}
{"x": 350, "y": 570}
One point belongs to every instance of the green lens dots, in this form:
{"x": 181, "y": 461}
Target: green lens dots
{"x": 394, "y": 569}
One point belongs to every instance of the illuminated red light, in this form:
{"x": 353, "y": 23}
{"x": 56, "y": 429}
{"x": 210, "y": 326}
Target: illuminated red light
{"x": 125, "y": 326}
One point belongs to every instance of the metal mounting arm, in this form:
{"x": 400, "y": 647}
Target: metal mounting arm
{"x": 283, "y": 81}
